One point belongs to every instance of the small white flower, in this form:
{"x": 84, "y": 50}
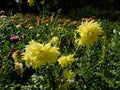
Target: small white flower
{"x": 3, "y": 16}
{"x": 9, "y": 28}
{"x": 46, "y": 24}
{"x": 18, "y": 26}
{"x": 70, "y": 81}
{"x": 119, "y": 33}
{"x": 114, "y": 31}
{"x": 31, "y": 27}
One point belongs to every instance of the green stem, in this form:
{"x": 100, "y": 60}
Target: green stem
{"x": 56, "y": 17}
{"x": 19, "y": 6}
{"x": 38, "y": 7}
{"x": 43, "y": 8}
{"x": 88, "y": 50}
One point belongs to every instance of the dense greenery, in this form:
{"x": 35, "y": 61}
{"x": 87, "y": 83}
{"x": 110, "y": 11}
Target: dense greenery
{"x": 95, "y": 68}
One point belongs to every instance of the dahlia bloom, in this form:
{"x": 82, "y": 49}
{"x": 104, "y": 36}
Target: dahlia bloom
{"x": 64, "y": 61}
{"x": 37, "y": 54}
{"x": 89, "y": 32}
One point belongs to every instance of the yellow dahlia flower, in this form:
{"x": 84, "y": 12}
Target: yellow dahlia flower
{"x": 88, "y": 31}
{"x": 64, "y": 61}
{"x": 37, "y": 54}
{"x": 31, "y": 2}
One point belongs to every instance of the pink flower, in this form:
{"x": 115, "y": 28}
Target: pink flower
{"x": 14, "y": 38}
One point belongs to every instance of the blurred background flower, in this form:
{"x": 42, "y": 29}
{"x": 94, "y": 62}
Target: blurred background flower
{"x": 31, "y": 2}
{"x": 17, "y": 56}
{"x": 14, "y": 38}
{"x": 19, "y": 68}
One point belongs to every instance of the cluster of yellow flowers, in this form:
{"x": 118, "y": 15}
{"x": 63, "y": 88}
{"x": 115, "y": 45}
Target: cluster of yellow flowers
{"x": 17, "y": 62}
{"x": 89, "y": 32}
{"x": 68, "y": 75}
{"x": 37, "y": 54}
